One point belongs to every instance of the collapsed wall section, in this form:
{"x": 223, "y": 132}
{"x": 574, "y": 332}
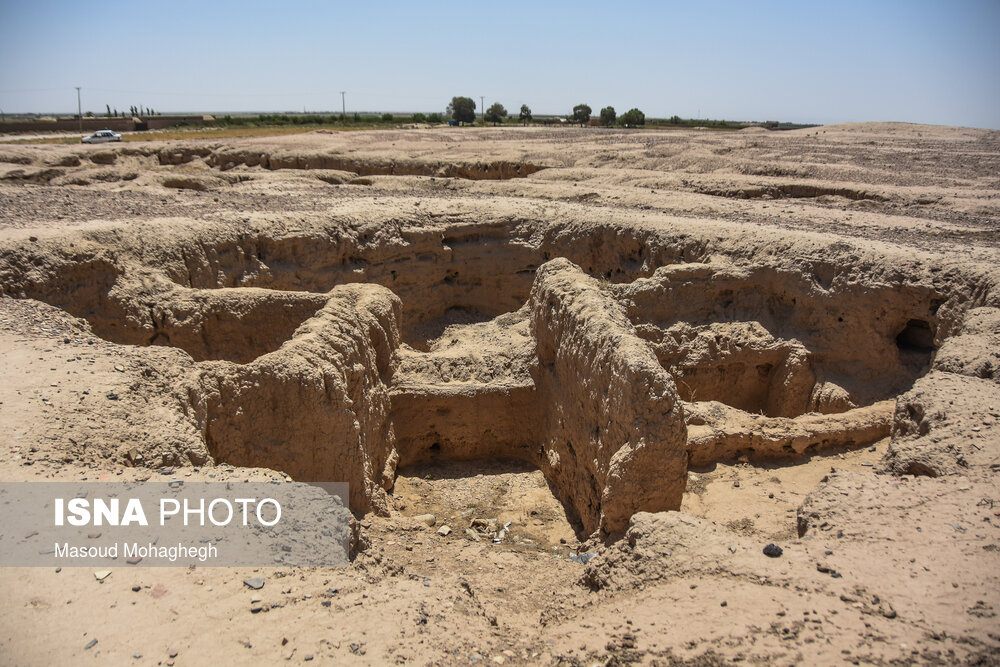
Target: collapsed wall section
{"x": 789, "y": 341}
{"x": 738, "y": 363}
{"x": 949, "y": 422}
{"x": 471, "y": 396}
{"x": 613, "y": 440}
{"x": 318, "y": 407}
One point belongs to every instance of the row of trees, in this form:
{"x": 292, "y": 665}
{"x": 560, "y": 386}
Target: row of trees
{"x": 132, "y": 111}
{"x": 463, "y": 110}
{"x": 631, "y": 118}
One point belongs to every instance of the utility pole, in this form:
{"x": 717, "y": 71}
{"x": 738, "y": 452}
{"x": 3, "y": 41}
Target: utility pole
{"x": 482, "y": 108}
{"x": 343, "y": 105}
{"x": 79, "y": 108}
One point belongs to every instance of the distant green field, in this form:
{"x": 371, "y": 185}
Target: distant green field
{"x": 260, "y": 125}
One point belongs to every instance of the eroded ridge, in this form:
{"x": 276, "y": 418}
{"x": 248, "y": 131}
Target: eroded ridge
{"x": 610, "y": 358}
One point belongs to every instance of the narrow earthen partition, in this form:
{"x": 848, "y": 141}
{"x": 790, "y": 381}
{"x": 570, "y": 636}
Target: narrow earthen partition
{"x": 717, "y": 432}
{"x": 614, "y": 436}
{"x": 318, "y": 407}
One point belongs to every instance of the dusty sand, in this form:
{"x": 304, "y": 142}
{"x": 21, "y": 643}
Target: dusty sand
{"x": 711, "y": 267}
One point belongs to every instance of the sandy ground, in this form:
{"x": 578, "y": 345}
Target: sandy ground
{"x": 878, "y": 566}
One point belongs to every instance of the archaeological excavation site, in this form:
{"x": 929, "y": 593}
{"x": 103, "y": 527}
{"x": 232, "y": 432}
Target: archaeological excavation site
{"x": 601, "y": 397}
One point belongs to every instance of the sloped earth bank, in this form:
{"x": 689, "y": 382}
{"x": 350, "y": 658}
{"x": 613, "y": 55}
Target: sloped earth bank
{"x": 567, "y": 343}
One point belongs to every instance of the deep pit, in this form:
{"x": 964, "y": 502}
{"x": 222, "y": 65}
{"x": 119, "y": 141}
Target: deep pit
{"x": 610, "y": 358}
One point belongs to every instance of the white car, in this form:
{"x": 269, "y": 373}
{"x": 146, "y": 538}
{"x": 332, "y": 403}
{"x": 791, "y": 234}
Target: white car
{"x": 102, "y": 136}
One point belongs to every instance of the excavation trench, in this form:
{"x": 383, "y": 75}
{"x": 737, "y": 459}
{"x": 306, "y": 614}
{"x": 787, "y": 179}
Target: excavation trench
{"x": 331, "y": 166}
{"x": 226, "y": 159}
{"x": 793, "y": 191}
{"x": 609, "y": 361}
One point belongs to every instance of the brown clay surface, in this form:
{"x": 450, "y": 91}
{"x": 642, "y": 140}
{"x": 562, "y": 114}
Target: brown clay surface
{"x": 667, "y": 349}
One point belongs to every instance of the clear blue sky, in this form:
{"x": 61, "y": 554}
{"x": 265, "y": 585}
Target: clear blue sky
{"x": 809, "y": 61}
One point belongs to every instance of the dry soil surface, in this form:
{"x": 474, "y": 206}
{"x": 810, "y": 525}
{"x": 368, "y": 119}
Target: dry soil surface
{"x": 625, "y": 361}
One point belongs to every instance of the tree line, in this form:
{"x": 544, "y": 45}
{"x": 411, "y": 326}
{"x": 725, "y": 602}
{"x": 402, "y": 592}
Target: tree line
{"x": 132, "y": 111}
{"x": 463, "y": 110}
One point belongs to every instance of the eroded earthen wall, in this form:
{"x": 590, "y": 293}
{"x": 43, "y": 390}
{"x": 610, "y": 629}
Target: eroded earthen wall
{"x": 318, "y": 407}
{"x": 827, "y": 342}
{"x": 614, "y": 435}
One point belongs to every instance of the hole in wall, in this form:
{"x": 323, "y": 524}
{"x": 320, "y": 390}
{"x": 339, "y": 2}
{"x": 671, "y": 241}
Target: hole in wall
{"x": 916, "y": 337}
